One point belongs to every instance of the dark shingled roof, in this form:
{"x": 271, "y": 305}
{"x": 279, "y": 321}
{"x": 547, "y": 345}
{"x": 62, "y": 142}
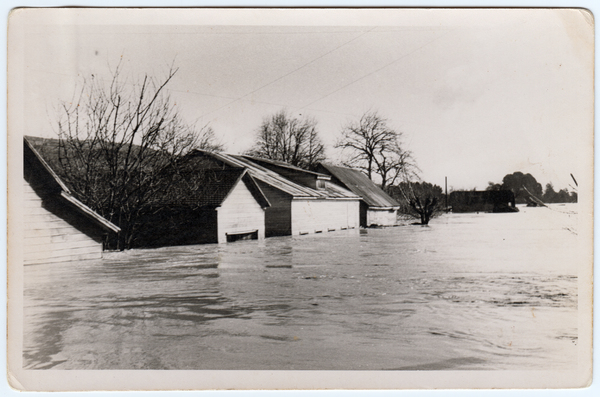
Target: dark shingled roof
{"x": 196, "y": 187}
{"x": 36, "y": 167}
{"x": 361, "y": 185}
{"x": 191, "y": 187}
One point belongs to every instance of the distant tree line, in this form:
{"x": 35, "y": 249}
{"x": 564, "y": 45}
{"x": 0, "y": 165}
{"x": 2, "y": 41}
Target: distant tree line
{"x": 562, "y": 196}
{"x": 524, "y": 185}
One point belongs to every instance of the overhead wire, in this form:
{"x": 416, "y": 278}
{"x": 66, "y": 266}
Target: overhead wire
{"x": 290, "y": 73}
{"x": 375, "y": 71}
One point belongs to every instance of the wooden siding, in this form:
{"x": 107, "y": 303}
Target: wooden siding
{"x": 52, "y": 235}
{"x": 240, "y": 213}
{"x": 379, "y": 217}
{"x": 278, "y": 217}
{"x": 313, "y": 216}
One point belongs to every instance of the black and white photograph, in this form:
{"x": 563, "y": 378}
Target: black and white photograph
{"x": 300, "y": 198}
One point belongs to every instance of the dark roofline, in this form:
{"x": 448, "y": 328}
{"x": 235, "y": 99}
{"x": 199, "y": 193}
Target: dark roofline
{"x": 252, "y": 186}
{"x": 255, "y": 190}
{"x": 66, "y": 193}
{"x": 45, "y": 165}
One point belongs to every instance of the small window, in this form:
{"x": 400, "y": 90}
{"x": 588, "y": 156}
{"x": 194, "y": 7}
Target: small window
{"x": 320, "y": 184}
{"x": 251, "y": 235}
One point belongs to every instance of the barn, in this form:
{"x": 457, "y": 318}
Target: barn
{"x": 215, "y": 206}
{"x": 377, "y": 208}
{"x": 302, "y": 202}
{"x": 57, "y": 226}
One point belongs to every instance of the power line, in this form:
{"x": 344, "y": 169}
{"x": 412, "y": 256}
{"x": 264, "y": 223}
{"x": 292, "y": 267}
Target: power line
{"x": 375, "y": 71}
{"x": 289, "y": 73}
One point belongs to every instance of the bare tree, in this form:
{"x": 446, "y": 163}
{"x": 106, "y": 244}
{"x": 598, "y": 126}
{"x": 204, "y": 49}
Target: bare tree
{"x": 289, "y": 139}
{"x": 418, "y": 199}
{"x": 118, "y": 142}
{"x": 372, "y": 146}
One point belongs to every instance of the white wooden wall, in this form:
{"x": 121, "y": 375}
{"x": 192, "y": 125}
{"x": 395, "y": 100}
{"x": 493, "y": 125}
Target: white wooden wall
{"x": 310, "y": 216}
{"x": 49, "y": 238}
{"x": 240, "y": 213}
{"x": 381, "y": 217}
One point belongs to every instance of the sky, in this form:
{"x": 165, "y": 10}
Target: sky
{"x": 477, "y": 94}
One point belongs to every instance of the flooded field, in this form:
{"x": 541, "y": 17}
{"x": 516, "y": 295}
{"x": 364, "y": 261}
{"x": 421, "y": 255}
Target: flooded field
{"x": 471, "y": 291}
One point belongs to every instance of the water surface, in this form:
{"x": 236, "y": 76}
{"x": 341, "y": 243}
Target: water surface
{"x": 471, "y": 291}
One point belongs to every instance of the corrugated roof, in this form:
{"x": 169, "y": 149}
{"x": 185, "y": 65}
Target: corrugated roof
{"x": 361, "y": 185}
{"x": 283, "y": 165}
{"x": 274, "y": 179}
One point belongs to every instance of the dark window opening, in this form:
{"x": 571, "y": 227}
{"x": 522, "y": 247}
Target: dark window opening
{"x": 232, "y": 237}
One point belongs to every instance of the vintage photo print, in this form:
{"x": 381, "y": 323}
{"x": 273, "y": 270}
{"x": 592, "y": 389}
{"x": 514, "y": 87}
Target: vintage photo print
{"x": 300, "y": 198}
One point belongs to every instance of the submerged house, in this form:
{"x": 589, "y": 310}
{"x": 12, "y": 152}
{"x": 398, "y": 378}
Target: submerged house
{"x": 192, "y": 207}
{"x": 301, "y": 201}
{"x": 217, "y": 206}
{"x": 57, "y": 226}
{"x": 377, "y": 208}
{"x": 482, "y": 201}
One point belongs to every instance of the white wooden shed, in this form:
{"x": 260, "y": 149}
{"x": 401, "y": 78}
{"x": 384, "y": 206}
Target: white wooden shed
{"x": 301, "y": 201}
{"x": 377, "y": 208}
{"x": 57, "y": 226}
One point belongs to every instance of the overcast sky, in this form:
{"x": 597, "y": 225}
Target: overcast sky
{"x": 477, "y": 94}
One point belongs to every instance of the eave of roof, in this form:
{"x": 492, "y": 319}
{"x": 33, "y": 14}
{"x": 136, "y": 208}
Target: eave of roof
{"x": 90, "y": 213}
{"x": 66, "y": 194}
{"x": 47, "y": 167}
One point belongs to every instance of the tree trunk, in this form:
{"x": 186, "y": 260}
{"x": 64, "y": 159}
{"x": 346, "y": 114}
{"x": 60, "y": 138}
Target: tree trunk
{"x": 425, "y": 210}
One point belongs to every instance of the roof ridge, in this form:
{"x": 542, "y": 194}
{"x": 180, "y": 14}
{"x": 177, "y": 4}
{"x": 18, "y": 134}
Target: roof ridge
{"x": 273, "y": 178}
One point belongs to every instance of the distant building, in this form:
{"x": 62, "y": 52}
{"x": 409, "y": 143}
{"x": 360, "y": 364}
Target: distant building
{"x": 301, "y": 201}
{"x": 377, "y": 208}
{"x": 482, "y": 201}
{"x": 57, "y": 226}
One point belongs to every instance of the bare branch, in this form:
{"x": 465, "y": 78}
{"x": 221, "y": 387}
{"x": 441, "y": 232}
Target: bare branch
{"x": 289, "y": 139}
{"x": 119, "y": 143}
{"x": 371, "y": 145}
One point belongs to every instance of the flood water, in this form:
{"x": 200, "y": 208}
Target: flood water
{"x": 471, "y": 291}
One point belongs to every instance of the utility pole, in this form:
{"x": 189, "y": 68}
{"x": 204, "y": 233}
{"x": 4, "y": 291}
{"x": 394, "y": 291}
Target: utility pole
{"x": 446, "y": 187}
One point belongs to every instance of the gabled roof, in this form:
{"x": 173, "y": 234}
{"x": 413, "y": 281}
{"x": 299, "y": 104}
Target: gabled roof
{"x": 279, "y": 182}
{"x": 209, "y": 189}
{"x": 191, "y": 189}
{"x": 53, "y": 183}
{"x": 361, "y": 185}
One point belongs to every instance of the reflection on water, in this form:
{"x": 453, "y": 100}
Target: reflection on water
{"x": 471, "y": 291}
